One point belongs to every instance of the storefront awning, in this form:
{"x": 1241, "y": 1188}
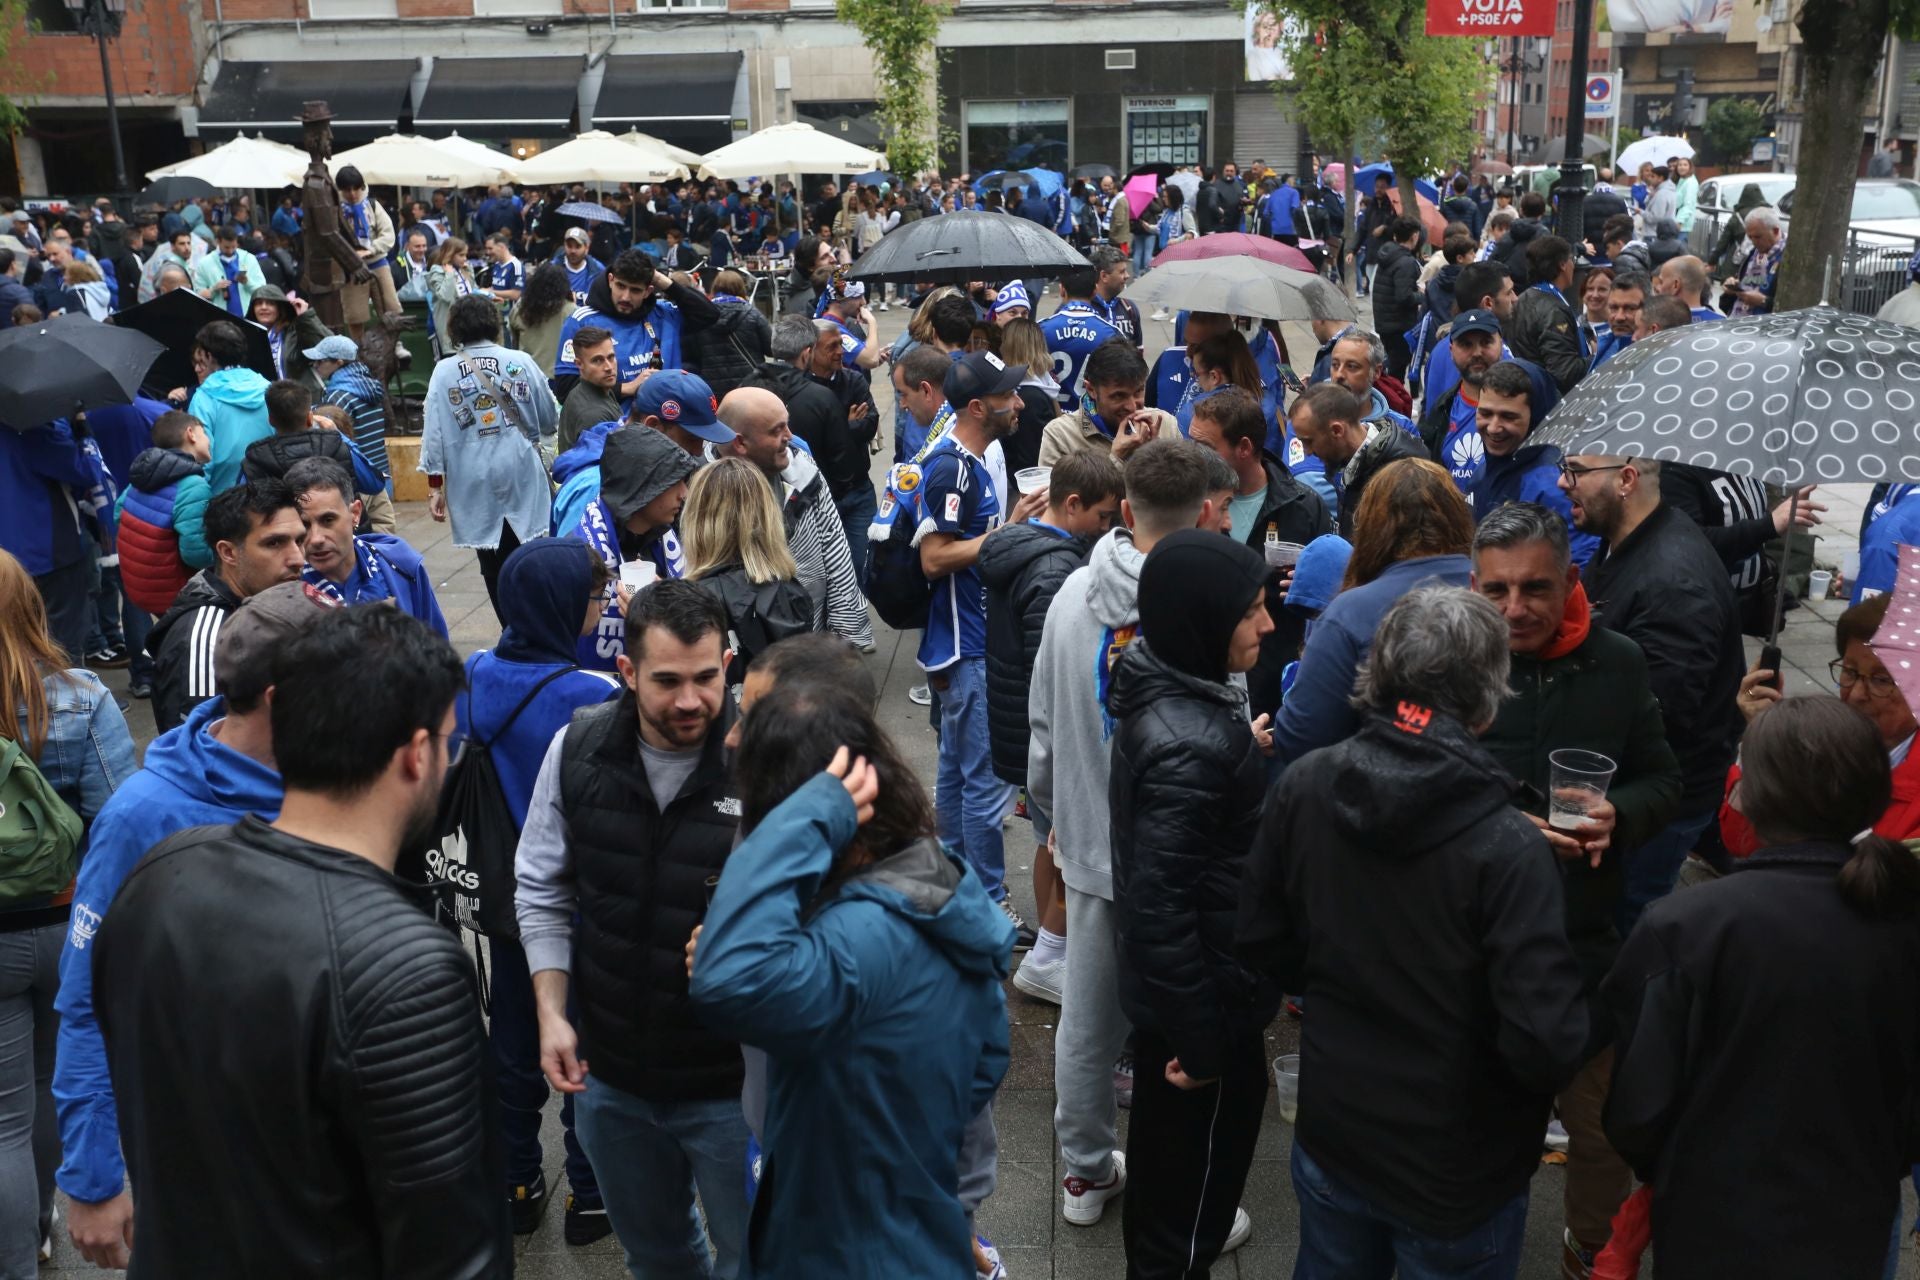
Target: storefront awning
{"x": 645, "y": 90}
{"x": 472, "y": 92}
{"x": 268, "y": 95}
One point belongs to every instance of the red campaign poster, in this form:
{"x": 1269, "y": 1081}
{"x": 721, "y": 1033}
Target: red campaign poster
{"x": 1484, "y": 18}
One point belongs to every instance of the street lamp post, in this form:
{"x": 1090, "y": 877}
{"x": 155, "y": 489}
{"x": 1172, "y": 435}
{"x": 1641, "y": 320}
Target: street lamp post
{"x": 101, "y": 19}
{"x": 1572, "y": 189}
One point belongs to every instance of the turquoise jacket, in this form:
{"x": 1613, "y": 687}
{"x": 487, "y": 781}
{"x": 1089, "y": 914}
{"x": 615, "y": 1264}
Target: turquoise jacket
{"x": 879, "y": 1003}
{"x": 232, "y": 405}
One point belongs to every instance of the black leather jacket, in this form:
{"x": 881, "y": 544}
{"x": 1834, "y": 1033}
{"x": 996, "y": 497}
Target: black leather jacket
{"x": 303, "y": 1080}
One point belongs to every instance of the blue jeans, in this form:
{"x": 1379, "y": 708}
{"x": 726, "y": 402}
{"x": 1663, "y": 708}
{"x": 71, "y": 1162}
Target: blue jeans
{"x": 1343, "y": 1237}
{"x": 513, "y": 1033}
{"x": 1652, "y": 868}
{"x": 650, "y": 1157}
{"x": 968, "y": 798}
{"x": 857, "y": 509}
{"x": 1143, "y": 251}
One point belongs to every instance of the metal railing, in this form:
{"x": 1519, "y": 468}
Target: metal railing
{"x": 1871, "y": 268}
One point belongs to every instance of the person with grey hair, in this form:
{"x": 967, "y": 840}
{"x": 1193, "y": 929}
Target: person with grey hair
{"x": 1750, "y": 292}
{"x": 1576, "y": 686}
{"x": 1357, "y": 362}
{"x": 1394, "y": 884}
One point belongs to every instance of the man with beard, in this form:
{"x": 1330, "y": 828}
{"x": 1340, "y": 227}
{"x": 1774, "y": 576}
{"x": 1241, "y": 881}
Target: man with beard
{"x": 1448, "y": 428}
{"x": 646, "y": 312}
{"x": 1482, "y": 286}
{"x": 351, "y": 1102}
{"x": 624, "y": 835}
{"x": 255, "y": 533}
{"x": 1111, "y": 261}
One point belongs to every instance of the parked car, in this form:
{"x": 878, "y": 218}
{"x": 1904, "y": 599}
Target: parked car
{"x": 1718, "y": 196}
{"x": 1882, "y": 233}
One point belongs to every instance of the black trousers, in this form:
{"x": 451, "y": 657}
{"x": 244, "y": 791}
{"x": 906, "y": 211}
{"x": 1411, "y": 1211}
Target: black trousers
{"x": 1188, "y": 1154}
{"x": 1399, "y": 354}
{"x": 490, "y": 562}
{"x": 67, "y": 593}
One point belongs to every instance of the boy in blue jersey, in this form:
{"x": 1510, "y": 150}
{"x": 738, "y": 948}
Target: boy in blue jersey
{"x": 1514, "y": 396}
{"x": 1074, "y": 331}
{"x": 577, "y": 260}
{"x": 643, "y": 485}
{"x": 958, "y": 510}
{"x": 645, "y": 311}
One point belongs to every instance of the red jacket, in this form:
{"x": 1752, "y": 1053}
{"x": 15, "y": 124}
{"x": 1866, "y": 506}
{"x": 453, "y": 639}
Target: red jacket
{"x": 1901, "y": 821}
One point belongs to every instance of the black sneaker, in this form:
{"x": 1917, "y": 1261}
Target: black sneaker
{"x": 586, "y": 1223}
{"x": 141, "y": 689}
{"x": 529, "y": 1205}
{"x": 113, "y": 656}
{"x": 1023, "y": 935}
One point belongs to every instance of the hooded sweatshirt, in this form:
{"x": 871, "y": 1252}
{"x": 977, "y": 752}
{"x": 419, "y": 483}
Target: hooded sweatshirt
{"x": 162, "y": 534}
{"x": 1023, "y": 567}
{"x": 232, "y": 405}
{"x": 543, "y": 595}
{"x": 879, "y": 1002}
{"x": 1092, "y": 620}
{"x": 190, "y": 780}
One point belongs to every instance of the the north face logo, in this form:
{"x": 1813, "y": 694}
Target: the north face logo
{"x": 727, "y": 806}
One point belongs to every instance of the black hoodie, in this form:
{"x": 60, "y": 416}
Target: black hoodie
{"x": 1022, "y": 566}
{"x": 725, "y": 354}
{"x": 817, "y": 416}
{"x": 1394, "y": 883}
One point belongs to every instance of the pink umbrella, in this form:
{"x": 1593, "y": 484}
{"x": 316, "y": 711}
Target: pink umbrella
{"x": 1897, "y": 642}
{"x": 1235, "y": 244}
{"x": 1141, "y": 190}
{"x": 1334, "y": 175}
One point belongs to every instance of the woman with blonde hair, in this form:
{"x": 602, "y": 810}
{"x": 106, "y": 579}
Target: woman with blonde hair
{"x": 62, "y": 720}
{"x": 1022, "y": 343}
{"x": 447, "y": 283}
{"x": 736, "y": 544}
{"x": 84, "y": 281}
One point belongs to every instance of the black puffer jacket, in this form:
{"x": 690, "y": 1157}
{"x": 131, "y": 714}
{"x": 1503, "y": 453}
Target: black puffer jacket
{"x": 1394, "y": 883}
{"x": 343, "y": 1066}
{"x": 1296, "y": 514}
{"x": 1542, "y": 331}
{"x": 1438, "y": 297}
{"x": 732, "y": 348}
{"x": 1396, "y": 289}
{"x": 816, "y": 416}
{"x": 1512, "y": 247}
{"x": 1022, "y": 566}
{"x": 1184, "y": 795}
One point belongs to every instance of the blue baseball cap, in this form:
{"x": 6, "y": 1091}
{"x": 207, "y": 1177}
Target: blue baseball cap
{"x": 1479, "y": 320}
{"x": 684, "y": 400}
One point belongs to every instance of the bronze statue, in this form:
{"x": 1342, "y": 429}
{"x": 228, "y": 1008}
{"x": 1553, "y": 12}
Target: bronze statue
{"x": 329, "y": 259}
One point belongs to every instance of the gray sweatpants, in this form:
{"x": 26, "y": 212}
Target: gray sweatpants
{"x": 1093, "y": 1032}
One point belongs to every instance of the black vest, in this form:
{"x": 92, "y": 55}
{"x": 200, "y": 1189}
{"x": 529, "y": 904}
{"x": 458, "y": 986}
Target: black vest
{"x": 642, "y": 877}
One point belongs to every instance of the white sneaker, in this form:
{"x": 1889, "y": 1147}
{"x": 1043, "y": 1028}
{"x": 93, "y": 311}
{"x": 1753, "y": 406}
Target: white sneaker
{"x": 1085, "y": 1201}
{"x": 991, "y": 1256}
{"x": 1041, "y": 980}
{"x": 1556, "y": 1139}
{"x": 1159, "y": 313}
{"x": 1241, "y": 1233}
{"x": 881, "y": 307}
{"x": 920, "y": 695}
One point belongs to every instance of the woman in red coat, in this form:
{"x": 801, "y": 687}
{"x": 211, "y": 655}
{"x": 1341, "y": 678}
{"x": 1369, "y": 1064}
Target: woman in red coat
{"x": 1867, "y": 687}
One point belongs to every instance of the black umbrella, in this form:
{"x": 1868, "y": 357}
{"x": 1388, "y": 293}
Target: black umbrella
{"x": 68, "y": 364}
{"x": 1158, "y": 169}
{"x": 173, "y": 189}
{"x": 956, "y": 248}
{"x": 1093, "y": 172}
{"x": 173, "y": 319}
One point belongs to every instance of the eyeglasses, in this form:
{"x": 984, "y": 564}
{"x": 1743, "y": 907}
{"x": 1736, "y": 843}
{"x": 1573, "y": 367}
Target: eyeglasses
{"x": 1879, "y": 684}
{"x": 1572, "y": 472}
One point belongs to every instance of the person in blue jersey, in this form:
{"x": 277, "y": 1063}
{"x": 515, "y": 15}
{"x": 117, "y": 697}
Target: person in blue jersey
{"x": 577, "y": 260}
{"x": 1326, "y": 333}
{"x": 646, "y": 312}
{"x": 1114, "y": 269}
{"x": 957, "y": 511}
{"x": 1171, "y": 385}
{"x": 1629, "y": 295}
{"x": 356, "y": 569}
{"x": 1279, "y": 208}
{"x": 1222, "y": 361}
{"x": 1450, "y": 429}
{"x": 1514, "y": 396}
{"x": 643, "y": 485}
{"x": 506, "y": 274}
{"x": 1482, "y": 286}
{"x": 215, "y": 768}
{"x": 1358, "y": 362}
{"x": 519, "y": 694}
{"x": 1074, "y": 331}
{"x": 1893, "y": 519}
{"x": 1686, "y": 278}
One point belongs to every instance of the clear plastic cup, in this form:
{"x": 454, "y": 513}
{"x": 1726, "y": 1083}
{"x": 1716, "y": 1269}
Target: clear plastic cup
{"x": 637, "y": 575}
{"x": 1282, "y": 554}
{"x": 1286, "y": 1082}
{"x": 1032, "y": 479}
{"x": 1577, "y": 780}
{"x": 1819, "y": 584}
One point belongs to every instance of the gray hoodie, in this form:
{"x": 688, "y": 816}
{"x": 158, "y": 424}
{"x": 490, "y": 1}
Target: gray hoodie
{"x": 1091, "y": 621}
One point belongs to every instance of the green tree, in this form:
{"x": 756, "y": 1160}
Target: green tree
{"x": 1841, "y": 42}
{"x": 900, "y": 35}
{"x": 18, "y": 83}
{"x": 1732, "y": 125}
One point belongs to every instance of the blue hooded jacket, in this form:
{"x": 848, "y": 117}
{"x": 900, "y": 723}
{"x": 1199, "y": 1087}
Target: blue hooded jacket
{"x": 190, "y": 780}
{"x": 577, "y": 472}
{"x": 543, "y": 593}
{"x": 1531, "y": 473}
{"x": 38, "y": 469}
{"x": 882, "y": 1011}
{"x": 232, "y": 405}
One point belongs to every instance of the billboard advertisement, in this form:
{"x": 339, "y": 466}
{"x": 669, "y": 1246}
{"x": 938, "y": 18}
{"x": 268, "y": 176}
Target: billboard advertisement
{"x": 1267, "y": 37}
{"x": 1651, "y": 17}
{"x": 1490, "y": 18}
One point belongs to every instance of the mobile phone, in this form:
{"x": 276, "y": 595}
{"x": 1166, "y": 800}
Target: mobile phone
{"x": 1770, "y": 661}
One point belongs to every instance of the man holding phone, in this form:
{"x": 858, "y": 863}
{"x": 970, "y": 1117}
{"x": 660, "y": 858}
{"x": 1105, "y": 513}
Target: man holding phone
{"x": 1112, "y": 416}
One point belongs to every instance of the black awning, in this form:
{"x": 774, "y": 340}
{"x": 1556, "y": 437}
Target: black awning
{"x": 268, "y": 95}
{"x": 643, "y": 91}
{"x": 462, "y": 92}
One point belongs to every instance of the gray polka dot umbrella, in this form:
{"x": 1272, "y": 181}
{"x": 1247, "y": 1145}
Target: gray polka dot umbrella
{"x": 1808, "y": 396}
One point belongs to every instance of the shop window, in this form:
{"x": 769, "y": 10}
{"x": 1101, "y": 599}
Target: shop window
{"x": 1016, "y": 134}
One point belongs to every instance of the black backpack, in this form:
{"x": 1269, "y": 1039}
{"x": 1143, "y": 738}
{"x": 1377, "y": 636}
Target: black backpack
{"x": 471, "y": 873}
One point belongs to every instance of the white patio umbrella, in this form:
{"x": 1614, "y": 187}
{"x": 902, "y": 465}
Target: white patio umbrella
{"x": 407, "y": 161}
{"x": 679, "y": 155}
{"x": 789, "y": 148}
{"x": 1658, "y": 149}
{"x": 468, "y": 149}
{"x": 597, "y": 156}
{"x": 244, "y": 164}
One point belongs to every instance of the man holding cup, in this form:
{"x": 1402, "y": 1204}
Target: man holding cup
{"x": 1576, "y": 689}
{"x": 1272, "y": 513}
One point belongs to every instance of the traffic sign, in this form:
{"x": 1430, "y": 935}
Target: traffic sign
{"x": 1602, "y": 95}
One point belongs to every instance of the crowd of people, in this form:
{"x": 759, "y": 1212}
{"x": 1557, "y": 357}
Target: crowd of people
{"x": 1285, "y": 666}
